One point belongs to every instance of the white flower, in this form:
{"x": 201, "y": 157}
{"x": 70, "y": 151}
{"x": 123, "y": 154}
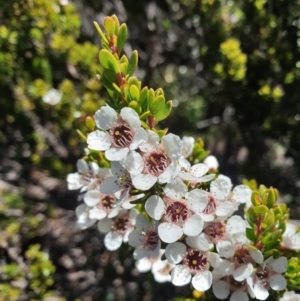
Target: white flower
{"x": 117, "y": 228}
{"x": 145, "y": 239}
{"x": 52, "y": 97}
{"x": 195, "y": 266}
{"x": 157, "y": 164}
{"x": 178, "y": 213}
{"x": 89, "y": 176}
{"x": 267, "y": 276}
{"x": 124, "y": 133}
{"x": 160, "y": 268}
{"x": 188, "y": 146}
{"x": 290, "y": 296}
{"x": 239, "y": 290}
{"x": 211, "y": 162}
{"x": 83, "y": 217}
{"x": 195, "y": 173}
{"x": 102, "y": 205}
{"x": 291, "y": 237}
{"x": 221, "y": 202}
{"x": 121, "y": 184}
{"x": 223, "y": 236}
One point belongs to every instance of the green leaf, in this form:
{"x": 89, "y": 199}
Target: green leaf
{"x": 165, "y": 112}
{"x": 108, "y": 61}
{"x": 255, "y": 198}
{"x": 271, "y": 238}
{"x": 109, "y": 25}
{"x": 159, "y": 92}
{"x": 250, "y": 234}
{"x": 123, "y": 67}
{"x": 144, "y": 97}
{"x": 121, "y": 37}
{"x": 134, "y": 81}
{"x": 117, "y": 24}
{"x": 151, "y": 97}
{"x": 133, "y": 61}
{"x": 251, "y": 216}
{"x": 81, "y": 135}
{"x": 134, "y": 92}
{"x": 103, "y": 37}
{"x": 145, "y": 115}
{"x": 135, "y": 106}
{"x": 262, "y": 209}
{"x": 157, "y": 105}
{"x": 162, "y": 133}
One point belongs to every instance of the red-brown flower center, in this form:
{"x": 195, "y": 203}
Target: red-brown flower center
{"x": 151, "y": 239}
{"x": 195, "y": 260}
{"x": 156, "y": 163}
{"x": 108, "y": 202}
{"x": 211, "y": 205}
{"x": 262, "y": 276}
{"x": 122, "y": 135}
{"x": 120, "y": 224}
{"x": 216, "y": 231}
{"x": 177, "y": 212}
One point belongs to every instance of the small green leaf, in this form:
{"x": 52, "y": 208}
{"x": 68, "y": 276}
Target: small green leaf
{"x": 262, "y": 209}
{"x": 117, "y": 24}
{"x": 159, "y": 92}
{"x": 165, "y": 112}
{"x": 145, "y": 115}
{"x": 162, "y": 133}
{"x": 123, "y": 67}
{"x": 108, "y": 61}
{"x": 251, "y": 216}
{"x": 81, "y": 135}
{"x": 135, "y": 106}
{"x": 109, "y": 25}
{"x": 255, "y": 198}
{"x": 151, "y": 97}
{"x": 144, "y": 97}
{"x": 250, "y": 234}
{"x": 133, "y": 61}
{"x": 134, "y": 81}
{"x": 124, "y": 59}
{"x": 157, "y": 105}
{"x": 121, "y": 37}
{"x": 134, "y": 92}
{"x": 103, "y": 37}
{"x": 271, "y": 238}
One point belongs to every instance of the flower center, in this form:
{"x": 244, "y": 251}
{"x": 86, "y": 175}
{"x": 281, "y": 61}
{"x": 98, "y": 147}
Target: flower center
{"x": 177, "y": 212}
{"x": 211, "y": 205}
{"x": 156, "y": 163}
{"x": 151, "y": 239}
{"x": 216, "y": 231}
{"x": 120, "y": 224}
{"x": 242, "y": 256}
{"x": 122, "y": 135}
{"x": 195, "y": 260}
{"x": 108, "y": 202}
{"x": 87, "y": 177}
{"x": 262, "y": 275}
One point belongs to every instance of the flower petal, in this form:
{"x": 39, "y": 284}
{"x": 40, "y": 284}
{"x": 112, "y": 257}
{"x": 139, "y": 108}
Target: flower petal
{"x": 169, "y": 232}
{"x": 135, "y": 238}
{"x": 202, "y": 281}
{"x": 82, "y": 166}
{"x": 133, "y": 162}
{"x": 143, "y": 181}
{"x": 277, "y": 282}
{"x": 260, "y": 292}
{"x": 172, "y": 144}
{"x": 98, "y": 140}
{"x": 131, "y": 117}
{"x": 104, "y": 225}
{"x": 139, "y": 137}
{"x": 113, "y": 241}
{"x": 92, "y": 198}
{"x": 197, "y": 200}
{"x": 279, "y": 265}
{"x": 193, "y": 225}
{"x": 175, "y": 252}
{"x": 221, "y": 289}
{"x": 155, "y": 207}
{"x": 220, "y": 188}
{"x": 116, "y": 154}
{"x": 181, "y": 275}
{"x": 176, "y": 190}
{"x": 242, "y": 194}
{"x": 225, "y": 209}
{"x": 239, "y": 296}
{"x": 141, "y": 253}
{"x": 225, "y": 248}
{"x": 199, "y": 170}
{"x": 141, "y": 222}
{"x": 198, "y": 242}
{"x": 143, "y": 265}
{"x": 105, "y": 118}
{"x": 243, "y": 272}
{"x": 110, "y": 185}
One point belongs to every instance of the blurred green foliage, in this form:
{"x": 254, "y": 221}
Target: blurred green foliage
{"x": 231, "y": 67}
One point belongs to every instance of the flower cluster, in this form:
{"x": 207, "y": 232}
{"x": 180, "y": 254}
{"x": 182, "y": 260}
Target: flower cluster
{"x": 184, "y": 228}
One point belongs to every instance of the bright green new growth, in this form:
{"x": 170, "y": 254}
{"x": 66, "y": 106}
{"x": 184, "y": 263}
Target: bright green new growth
{"x": 116, "y": 74}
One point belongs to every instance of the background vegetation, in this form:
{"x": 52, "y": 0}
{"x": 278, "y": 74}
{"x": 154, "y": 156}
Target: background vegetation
{"x": 232, "y": 69}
